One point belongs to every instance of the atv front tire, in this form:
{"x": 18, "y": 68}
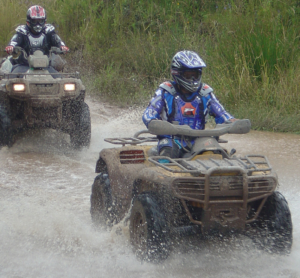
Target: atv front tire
{"x": 102, "y": 211}
{"x": 5, "y": 126}
{"x": 148, "y": 229}
{"x": 274, "y": 225}
{"x": 81, "y": 136}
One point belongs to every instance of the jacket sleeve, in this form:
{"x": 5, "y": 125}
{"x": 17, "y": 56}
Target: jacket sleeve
{"x": 155, "y": 108}
{"x": 17, "y": 40}
{"x": 215, "y": 109}
{"x": 55, "y": 40}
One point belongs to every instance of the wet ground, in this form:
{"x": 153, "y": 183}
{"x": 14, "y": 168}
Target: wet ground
{"x": 45, "y": 225}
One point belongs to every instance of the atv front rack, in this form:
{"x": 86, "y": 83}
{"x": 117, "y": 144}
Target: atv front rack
{"x": 251, "y": 163}
{"x": 130, "y": 140}
{"x": 17, "y": 75}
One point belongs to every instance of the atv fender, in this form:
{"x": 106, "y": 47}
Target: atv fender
{"x": 121, "y": 178}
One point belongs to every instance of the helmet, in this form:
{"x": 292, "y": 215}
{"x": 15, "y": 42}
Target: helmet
{"x": 36, "y": 18}
{"x": 186, "y": 69}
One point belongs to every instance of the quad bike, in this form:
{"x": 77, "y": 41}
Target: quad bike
{"x": 38, "y": 99}
{"x": 206, "y": 190}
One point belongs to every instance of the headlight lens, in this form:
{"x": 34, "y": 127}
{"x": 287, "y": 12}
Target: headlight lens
{"x": 69, "y": 87}
{"x": 19, "y": 87}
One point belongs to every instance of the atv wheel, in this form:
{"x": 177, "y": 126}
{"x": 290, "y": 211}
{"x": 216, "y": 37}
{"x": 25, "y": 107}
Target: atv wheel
{"x": 274, "y": 225}
{"x": 5, "y": 126}
{"x": 81, "y": 136}
{"x": 148, "y": 229}
{"x": 101, "y": 201}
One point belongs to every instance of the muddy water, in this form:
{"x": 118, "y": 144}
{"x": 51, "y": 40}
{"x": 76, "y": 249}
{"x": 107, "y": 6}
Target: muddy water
{"x": 45, "y": 226}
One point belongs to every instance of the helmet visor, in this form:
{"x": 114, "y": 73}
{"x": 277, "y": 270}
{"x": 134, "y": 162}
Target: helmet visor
{"x": 191, "y": 75}
{"x": 35, "y": 21}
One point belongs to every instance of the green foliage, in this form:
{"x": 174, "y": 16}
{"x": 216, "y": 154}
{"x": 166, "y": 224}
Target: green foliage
{"x": 12, "y": 13}
{"x": 251, "y": 48}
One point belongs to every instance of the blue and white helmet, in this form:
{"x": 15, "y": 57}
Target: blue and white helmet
{"x": 187, "y": 61}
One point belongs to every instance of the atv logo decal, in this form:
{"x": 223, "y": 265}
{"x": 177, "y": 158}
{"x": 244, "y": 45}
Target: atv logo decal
{"x": 205, "y": 87}
{"x": 188, "y": 110}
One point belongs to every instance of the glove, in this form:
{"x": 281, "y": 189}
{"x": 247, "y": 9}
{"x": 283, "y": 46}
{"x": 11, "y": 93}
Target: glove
{"x": 9, "y": 49}
{"x": 64, "y": 48}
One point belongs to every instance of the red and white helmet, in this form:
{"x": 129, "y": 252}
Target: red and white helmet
{"x": 36, "y": 19}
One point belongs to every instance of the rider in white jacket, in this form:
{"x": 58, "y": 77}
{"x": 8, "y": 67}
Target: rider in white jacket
{"x": 35, "y": 35}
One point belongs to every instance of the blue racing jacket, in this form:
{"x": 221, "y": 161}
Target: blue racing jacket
{"x": 169, "y": 105}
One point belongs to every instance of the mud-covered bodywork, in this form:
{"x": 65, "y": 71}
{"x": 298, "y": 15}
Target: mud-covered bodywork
{"x": 222, "y": 189}
{"x": 206, "y": 190}
{"x": 40, "y": 99}
{"x": 44, "y": 102}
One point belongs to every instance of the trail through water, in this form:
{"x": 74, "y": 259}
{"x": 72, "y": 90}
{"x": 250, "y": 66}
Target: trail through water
{"x": 45, "y": 225}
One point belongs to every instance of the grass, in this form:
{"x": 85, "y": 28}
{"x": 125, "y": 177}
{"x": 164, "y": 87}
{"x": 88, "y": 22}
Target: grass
{"x": 251, "y": 48}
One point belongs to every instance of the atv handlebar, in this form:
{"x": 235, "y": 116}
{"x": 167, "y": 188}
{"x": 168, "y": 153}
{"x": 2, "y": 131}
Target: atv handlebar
{"x": 158, "y": 127}
{"x": 55, "y": 50}
{"x": 16, "y": 50}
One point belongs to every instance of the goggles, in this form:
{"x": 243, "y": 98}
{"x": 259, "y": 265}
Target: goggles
{"x": 35, "y": 21}
{"x": 191, "y": 74}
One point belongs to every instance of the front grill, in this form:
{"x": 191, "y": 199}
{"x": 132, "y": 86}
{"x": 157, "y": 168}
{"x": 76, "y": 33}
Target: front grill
{"x": 220, "y": 183}
{"x": 44, "y": 89}
{"x": 191, "y": 189}
{"x": 221, "y": 188}
{"x": 260, "y": 186}
{"x": 44, "y": 117}
{"x": 44, "y": 114}
{"x": 132, "y": 157}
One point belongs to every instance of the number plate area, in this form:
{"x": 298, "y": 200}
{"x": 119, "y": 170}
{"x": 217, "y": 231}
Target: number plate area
{"x": 44, "y": 89}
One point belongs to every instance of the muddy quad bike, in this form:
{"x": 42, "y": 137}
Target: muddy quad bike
{"x": 39, "y": 99}
{"x": 205, "y": 191}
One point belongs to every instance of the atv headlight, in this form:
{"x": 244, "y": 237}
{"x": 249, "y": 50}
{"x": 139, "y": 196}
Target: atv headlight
{"x": 69, "y": 87}
{"x": 19, "y": 87}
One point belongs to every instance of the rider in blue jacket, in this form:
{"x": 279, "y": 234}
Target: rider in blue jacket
{"x": 185, "y": 100}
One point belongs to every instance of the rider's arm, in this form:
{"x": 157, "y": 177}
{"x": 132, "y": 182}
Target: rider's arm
{"x": 54, "y": 39}
{"x": 215, "y": 109}
{"x": 17, "y": 40}
{"x": 154, "y": 109}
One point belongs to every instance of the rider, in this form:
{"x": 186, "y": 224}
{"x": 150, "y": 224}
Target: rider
{"x": 185, "y": 100}
{"x": 35, "y": 35}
